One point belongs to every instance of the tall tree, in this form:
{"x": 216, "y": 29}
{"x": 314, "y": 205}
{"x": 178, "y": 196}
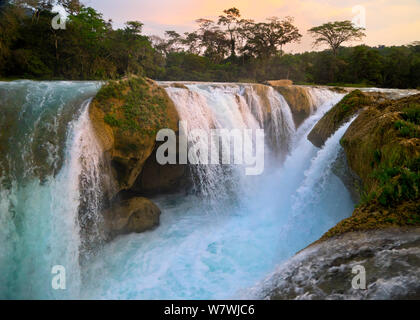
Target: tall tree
{"x": 191, "y": 42}
{"x": 230, "y": 20}
{"x": 336, "y": 33}
{"x": 213, "y": 40}
{"x": 266, "y": 39}
{"x": 174, "y": 41}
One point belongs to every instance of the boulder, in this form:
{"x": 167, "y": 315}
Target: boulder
{"x": 377, "y": 137}
{"x": 133, "y": 215}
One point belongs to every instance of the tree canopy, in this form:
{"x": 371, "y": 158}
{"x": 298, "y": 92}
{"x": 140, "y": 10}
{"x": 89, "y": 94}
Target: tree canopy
{"x": 336, "y": 33}
{"x": 230, "y": 48}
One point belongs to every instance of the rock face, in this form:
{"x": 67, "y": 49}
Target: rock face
{"x": 339, "y": 115}
{"x": 382, "y": 147}
{"x": 351, "y": 180}
{"x": 390, "y": 258}
{"x": 133, "y": 215}
{"x": 298, "y": 100}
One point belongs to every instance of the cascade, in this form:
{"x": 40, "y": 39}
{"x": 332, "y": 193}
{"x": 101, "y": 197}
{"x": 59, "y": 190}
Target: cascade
{"x": 51, "y": 191}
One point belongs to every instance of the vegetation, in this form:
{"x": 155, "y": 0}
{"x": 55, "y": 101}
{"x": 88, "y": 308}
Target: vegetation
{"x": 387, "y": 158}
{"x": 336, "y": 33}
{"x": 229, "y": 49}
{"x": 133, "y": 105}
{"x": 88, "y": 48}
{"x": 348, "y": 106}
{"x": 339, "y": 115}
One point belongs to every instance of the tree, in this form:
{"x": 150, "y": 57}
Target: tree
{"x": 191, "y": 41}
{"x": 365, "y": 65}
{"x": 72, "y": 6}
{"x": 9, "y": 31}
{"x": 336, "y": 33}
{"x": 266, "y": 39}
{"x": 212, "y": 40}
{"x": 174, "y": 41}
{"x": 230, "y": 19}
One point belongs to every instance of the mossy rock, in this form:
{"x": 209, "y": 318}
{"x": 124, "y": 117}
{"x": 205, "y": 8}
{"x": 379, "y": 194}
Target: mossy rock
{"x": 126, "y": 115}
{"x": 387, "y": 159}
{"x": 298, "y": 100}
{"x": 339, "y": 115}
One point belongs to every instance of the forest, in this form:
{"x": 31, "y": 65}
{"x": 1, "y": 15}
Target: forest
{"x": 228, "y": 49}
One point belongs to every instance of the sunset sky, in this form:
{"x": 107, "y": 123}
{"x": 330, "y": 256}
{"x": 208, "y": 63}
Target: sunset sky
{"x": 387, "y": 22}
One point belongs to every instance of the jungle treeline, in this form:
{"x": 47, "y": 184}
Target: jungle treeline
{"x": 229, "y": 48}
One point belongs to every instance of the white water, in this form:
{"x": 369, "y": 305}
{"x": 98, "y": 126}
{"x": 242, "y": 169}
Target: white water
{"x": 202, "y": 249}
{"x": 39, "y": 219}
{"x": 202, "y": 254}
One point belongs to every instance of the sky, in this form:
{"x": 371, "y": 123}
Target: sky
{"x": 387, "y": 22}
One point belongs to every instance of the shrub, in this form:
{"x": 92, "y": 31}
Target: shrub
{"x": 412, "y": 113}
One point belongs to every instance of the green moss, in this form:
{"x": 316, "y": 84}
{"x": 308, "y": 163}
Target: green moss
{"x": 111, "y": 120}
{"x": 133, "y": 105}
{"x": 338, "y": 115}
{"x": 111, "y": 90}
{"x": 395, "y": 184}
{"x": 377, "y": 155}
{"x": 382, "y": 148}
{"x": 349, "y": 104}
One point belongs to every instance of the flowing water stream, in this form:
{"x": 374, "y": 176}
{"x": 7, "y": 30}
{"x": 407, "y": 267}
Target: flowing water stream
{"x": 212, "y": 244}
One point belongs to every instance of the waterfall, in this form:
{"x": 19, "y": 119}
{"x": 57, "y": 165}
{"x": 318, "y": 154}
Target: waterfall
{"x": 51, "y": 192}
{"x": 45, "y": 132}
{"x": 232, "y": 106}
{"x": 195, "y": 254}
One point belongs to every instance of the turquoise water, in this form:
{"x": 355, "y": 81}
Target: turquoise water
{"x": 39, "y": 195}
{"x": 199, "y": 255}
{"x": 202, "y": 249}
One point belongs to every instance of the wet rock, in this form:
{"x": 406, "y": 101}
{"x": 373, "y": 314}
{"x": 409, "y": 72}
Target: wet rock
{"x": 390, "y": 258}
{"x": 382, "y": 147}
{"x": 133, "y": 215}
{"x": 351, "y": 181}
{"x": 158, "y": 179}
